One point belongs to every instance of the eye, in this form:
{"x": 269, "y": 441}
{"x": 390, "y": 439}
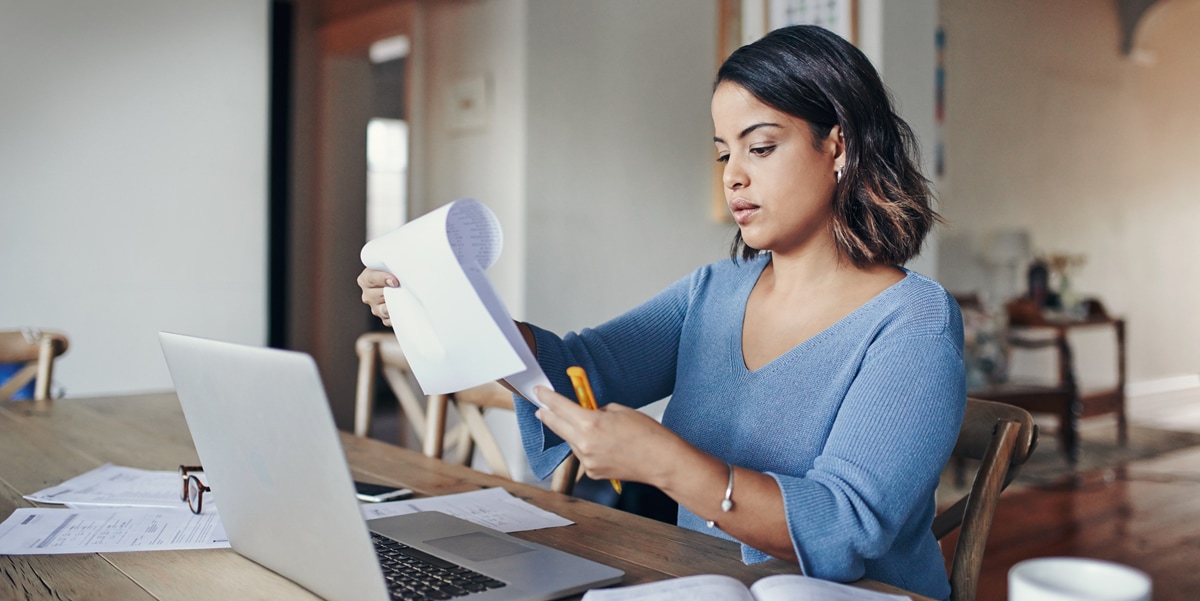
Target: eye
{"x": 762, "y": 151}
{"x": 723, "y": 157}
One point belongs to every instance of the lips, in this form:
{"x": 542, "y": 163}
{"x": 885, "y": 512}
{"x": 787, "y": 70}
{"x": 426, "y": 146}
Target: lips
{"x": 742, "y": 210}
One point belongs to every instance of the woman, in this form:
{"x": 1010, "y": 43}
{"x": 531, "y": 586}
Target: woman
{"x": 816, "y": 386}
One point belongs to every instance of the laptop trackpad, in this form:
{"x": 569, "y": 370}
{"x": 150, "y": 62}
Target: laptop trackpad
{"x": 477, "y": 546}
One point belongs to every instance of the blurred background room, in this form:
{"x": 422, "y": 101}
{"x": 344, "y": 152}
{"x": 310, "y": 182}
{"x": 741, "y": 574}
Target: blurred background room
{"x": 213, "y": 168}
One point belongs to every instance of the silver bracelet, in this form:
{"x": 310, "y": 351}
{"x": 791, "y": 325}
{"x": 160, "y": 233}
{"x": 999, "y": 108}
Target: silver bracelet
{"x": 727, "y": 502}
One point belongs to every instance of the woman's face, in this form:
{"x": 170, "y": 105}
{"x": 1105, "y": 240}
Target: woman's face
{"x": 778, "y": 184}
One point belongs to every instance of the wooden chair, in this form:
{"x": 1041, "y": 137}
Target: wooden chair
{"x": 1001, "y": 437}
{"x": 1064, "y": 398}
{"x": 380, "y": 351}
{"x": 470, "y": 404}
{"x": 37, "y": 350}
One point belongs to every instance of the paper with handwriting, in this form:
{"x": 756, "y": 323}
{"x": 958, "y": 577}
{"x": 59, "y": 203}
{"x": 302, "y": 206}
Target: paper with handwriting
{"x": 117, "y": 485}
{"x": 54, "y": 530}
{"x": 495, "y": 508}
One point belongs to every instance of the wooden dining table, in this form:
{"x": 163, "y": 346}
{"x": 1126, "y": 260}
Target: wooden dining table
{"x": 43, "y": 443}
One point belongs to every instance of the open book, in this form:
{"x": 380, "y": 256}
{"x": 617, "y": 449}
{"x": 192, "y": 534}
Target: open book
{"x": 713, "y": 587}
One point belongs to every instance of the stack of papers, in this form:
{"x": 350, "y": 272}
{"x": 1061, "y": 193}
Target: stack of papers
{"x": 116, "y": 486}
{"x": 114, "y": 508}
{"x": 43, "y": 531}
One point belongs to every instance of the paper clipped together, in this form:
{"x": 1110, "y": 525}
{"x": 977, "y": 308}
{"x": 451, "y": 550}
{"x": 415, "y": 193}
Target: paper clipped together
{"x": 454, "y": 330}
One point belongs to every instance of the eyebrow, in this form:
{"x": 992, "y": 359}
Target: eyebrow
{"x": 748, "y": 130}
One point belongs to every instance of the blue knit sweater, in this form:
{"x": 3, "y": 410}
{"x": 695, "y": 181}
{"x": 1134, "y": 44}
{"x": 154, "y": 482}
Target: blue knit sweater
{"x": 855, "y": 424}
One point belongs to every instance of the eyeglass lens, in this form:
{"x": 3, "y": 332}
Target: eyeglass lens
{"x": 184, "y": 471}
{"x": 195, "y": 493}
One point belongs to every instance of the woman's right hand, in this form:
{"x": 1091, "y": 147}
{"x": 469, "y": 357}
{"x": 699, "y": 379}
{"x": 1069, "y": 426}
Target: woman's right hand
{"x": 372, "y": 282}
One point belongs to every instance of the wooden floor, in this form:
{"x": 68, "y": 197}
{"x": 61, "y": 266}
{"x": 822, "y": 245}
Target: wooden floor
{"x": 1145, "y": 514}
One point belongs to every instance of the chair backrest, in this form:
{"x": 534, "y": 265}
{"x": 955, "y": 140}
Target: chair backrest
{"x": 35, "y": 351}
{"x": 473, "y": 432}
{"x": 1001, "y": 437}
{"x": 380, "y": 350}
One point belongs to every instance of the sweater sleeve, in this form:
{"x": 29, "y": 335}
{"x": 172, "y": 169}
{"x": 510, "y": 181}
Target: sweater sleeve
{"x": 880, "y": 466}
{"x": 629, "y": 360}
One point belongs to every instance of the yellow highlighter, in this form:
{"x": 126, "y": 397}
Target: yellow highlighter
{"x": 583, "y": 391}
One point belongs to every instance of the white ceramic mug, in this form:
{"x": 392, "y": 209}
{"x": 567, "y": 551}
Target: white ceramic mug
{"x": 1076, "y": 579}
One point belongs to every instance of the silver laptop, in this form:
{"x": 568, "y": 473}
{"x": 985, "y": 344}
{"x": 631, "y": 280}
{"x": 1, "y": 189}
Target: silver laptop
{"x": 265, "y": 435}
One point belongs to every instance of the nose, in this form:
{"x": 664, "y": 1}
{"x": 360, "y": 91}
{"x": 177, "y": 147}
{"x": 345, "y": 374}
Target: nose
{"x": 734, "y": 176}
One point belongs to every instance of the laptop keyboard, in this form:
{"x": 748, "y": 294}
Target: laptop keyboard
{"x": 413, "y": 574}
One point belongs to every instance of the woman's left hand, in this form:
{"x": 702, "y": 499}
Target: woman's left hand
{"x": 611, "y": 442}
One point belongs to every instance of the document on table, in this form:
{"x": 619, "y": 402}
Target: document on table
{"x": 44, "y": 531}
{"x": 453, "y": 328}
{"x": 114, "y": 485}
{"x": 491, "y": 507}
{"x": 112, "y": 508}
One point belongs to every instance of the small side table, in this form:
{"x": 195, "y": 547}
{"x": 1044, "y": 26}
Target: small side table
{"x": 1064, "y": 399}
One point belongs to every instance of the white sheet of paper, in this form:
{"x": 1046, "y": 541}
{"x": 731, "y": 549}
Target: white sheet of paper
{"x": 453, "y": 328}
{"x": 491, "y": 507}
{"x": 46, "y": 531}
{"x": 114, "y": 485}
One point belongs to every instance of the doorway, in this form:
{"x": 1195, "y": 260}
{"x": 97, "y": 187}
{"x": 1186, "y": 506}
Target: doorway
{"x": 359, "y": 141}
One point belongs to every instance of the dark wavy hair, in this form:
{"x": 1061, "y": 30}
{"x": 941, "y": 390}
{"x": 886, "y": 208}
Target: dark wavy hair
{"x": 882, "y": 204}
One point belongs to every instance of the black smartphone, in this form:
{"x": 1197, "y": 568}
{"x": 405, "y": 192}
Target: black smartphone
{"x": 378, "y": 493}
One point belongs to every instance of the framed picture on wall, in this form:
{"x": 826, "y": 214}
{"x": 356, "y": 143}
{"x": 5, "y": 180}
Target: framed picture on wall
{"x": 838, "y": 16}
{"x": 740, "y": 22}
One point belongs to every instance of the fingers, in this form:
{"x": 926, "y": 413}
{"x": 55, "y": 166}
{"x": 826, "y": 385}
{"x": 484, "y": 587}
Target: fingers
{"x": 555, "y": 405}
{"x": 612, "y": 442}
{"x": 373, "y": 278}
{"x": 555, "y": 401}
{"x": 590, "y": 433}
{"x": 560, "y": 414}
{"x": 372, "y": 282}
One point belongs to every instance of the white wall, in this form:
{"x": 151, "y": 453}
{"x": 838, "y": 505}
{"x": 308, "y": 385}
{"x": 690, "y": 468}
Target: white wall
{"x": 898, "y": 37}
{"x": 1050, "y": 128}
{"x": 620, "y": 154}
{"x": 132, "y": 179}
{"x": 461, "y": 41}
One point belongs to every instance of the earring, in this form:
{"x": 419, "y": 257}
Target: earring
{"x": 838, "y": 174}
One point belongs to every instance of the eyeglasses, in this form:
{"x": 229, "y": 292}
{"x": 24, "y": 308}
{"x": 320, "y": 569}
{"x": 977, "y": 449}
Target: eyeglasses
{"x": 193, "y": 488}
